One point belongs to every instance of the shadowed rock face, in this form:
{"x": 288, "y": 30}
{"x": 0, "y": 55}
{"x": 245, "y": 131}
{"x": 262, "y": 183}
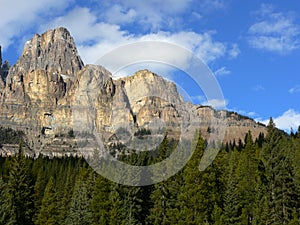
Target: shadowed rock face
{"x": 49, "y": 92}
{"x": 4, "y": 68}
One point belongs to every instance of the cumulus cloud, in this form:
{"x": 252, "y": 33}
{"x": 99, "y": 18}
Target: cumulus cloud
{"x": 97, "y": 38}
{"x": 84, "y": 27}
{"x": 146, "y": 13}
{"x": 19, "y": 16}
{"x": 274, "y": 31}
{"x": 118, "y": 14}
{"x": 286, "y": 121}
{"x": 102, "y": 26}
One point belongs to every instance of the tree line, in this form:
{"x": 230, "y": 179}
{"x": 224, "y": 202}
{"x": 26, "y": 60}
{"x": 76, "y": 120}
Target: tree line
{"x": 254, "y": 182}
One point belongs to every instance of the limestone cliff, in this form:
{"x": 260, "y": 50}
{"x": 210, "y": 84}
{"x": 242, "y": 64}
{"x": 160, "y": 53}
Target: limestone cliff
{"x": 49, "y": 94}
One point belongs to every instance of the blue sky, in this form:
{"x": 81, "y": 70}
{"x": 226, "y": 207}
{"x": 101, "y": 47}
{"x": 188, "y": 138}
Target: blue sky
{"x": 253, "y": 47}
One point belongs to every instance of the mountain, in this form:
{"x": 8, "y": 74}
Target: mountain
{"x": 50, "y": 95}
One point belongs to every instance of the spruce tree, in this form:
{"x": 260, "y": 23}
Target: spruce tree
{"x": 80, "y": 211}
{"x": 48, "y": 213}
{"x": 246, "y": 173}
{"x": 116, "y": 216}
{"x": 198, "y": 196}
{"x": 100, "y": 203}
{"x": 6, "y": 216}
{"x": 281, "y": 188}
{"x": 21, "y": 190}
{"x": 231, "y": 200}
{"x": 164, "y": 194}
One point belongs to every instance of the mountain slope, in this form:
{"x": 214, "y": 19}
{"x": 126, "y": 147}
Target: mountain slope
{"x": 49, "y": 93}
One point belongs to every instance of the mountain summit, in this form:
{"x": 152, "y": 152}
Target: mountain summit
{"x": 46, "y": 95}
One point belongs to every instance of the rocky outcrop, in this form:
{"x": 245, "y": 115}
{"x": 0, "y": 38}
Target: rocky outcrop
{"x": 4, "y": 68}
{"x": 36, "y": 83}
{"x": 50, "y": 95}
{"x": 45, "y": 60}
{"x": 236, "y": 125}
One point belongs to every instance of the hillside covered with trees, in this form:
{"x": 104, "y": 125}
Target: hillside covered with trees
{"x": 254, "y": 182}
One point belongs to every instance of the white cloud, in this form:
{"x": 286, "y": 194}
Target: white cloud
{"x": 85, "y": 28}
{"x": 99, "y": 29}
{"x": 97, "y": 38}
{"x": 294, "y": 89}
{"x": 274, "y": 31}
{"x": 216, "y": 103}
{"x": 147, "y": 13}
{"x": 154, "y": 15}
{"x": 17, "y": 17}
{"x": 119, "y": 15}
{"x": 201, "y": 45}
{"x": 234, "y": 51}
{"x": 222, "y": 71}
{"x": 289, "y": 119}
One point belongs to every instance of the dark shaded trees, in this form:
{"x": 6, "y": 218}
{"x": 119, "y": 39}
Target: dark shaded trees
{"x": 20, "y": 190}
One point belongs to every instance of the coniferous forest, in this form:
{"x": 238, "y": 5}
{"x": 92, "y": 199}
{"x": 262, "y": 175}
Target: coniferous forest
{"x": 253, "y": 182}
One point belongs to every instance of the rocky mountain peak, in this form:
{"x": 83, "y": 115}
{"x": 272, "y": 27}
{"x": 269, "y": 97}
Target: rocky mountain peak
{"x": 39, "y": 98}
{"x": 145, "y": 83}
{"x": 53, "y": 51}
{"x": 39, "y": 72}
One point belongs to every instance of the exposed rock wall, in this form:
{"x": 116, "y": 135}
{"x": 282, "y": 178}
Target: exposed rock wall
{"x": 49, "y": 92}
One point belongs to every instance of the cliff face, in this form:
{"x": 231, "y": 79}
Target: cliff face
{"x": 49, "y": 93}
{"x": 36, "y": 83}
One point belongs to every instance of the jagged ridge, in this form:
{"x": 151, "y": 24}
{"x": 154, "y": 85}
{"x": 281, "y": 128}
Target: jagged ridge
{"x": 49, "y": 79}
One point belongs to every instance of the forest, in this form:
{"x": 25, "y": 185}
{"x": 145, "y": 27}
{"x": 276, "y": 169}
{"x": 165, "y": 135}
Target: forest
{"x": 252, "y": 182}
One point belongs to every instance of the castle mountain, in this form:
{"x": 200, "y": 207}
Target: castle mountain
{"x": 43, "y": 95}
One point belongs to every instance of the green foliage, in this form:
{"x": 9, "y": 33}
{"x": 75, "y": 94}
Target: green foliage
{"x": 49, "y": 210}
{"x": 101, "y": 203}
{"x": 5, "y": 205}
{"x": 252, "y": 182}
{"x": 20, "y": 190}
{"x": 80, "y": 212}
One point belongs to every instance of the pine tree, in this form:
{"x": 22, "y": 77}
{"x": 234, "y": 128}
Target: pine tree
{"x": 6, "y": 216}
{"x": 133, "y": 196}
{"x": 198, "y": 196}
{"x": 80, "y": 212}
{"x": 101, "y": 203}
{"x": 279, "y": 172}
{"x": 20, "y": 187}
{"x": 116, "y": 211}
{"x": 231, "y": 200}
{"x": 246, "y": 173}
{"x": 218, "y": 216}
{"x": 67, "y": 188}
{"x": 49, "y": 210}
{"x": 132, "y": 205}
{"x": 164, "y": 194}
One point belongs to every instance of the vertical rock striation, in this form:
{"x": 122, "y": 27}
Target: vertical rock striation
{"x": 49, "y": 92}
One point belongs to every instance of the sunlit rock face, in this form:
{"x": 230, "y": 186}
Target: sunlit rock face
{"x": 50, "y": 94}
